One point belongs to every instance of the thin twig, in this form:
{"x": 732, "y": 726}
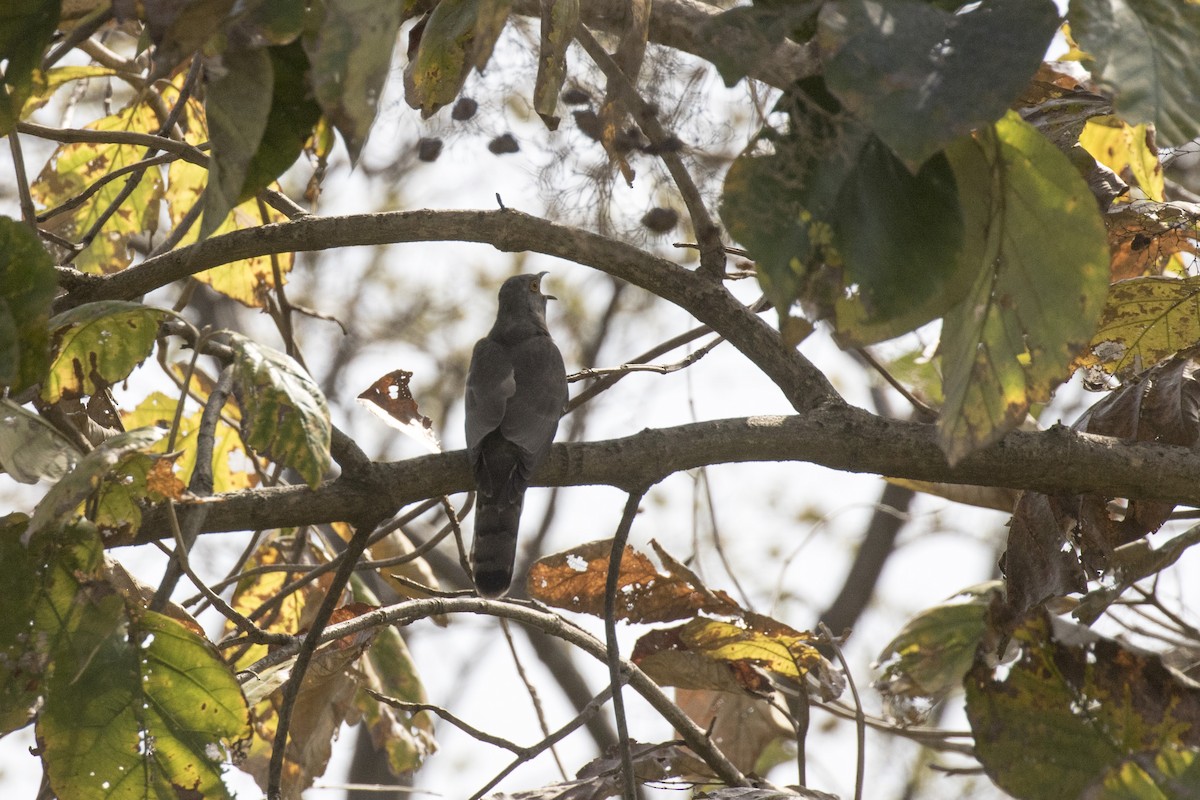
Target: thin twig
{"x": 860, "y": 719}
{"x": 28, "y": 212}
{"x": 470, "y": 730}
{"x": 82, "y": 30}
{"x": 708, "y": 234}
{"x": 531, "y": 690}
{"x": 610, "y": 639}
{"x": 924, "y": 411}
{"x": 291, "y": 690}
{"x": 661, "y": 369}
{"x": 409, "y": 611}
{"x": 191, "y": 153}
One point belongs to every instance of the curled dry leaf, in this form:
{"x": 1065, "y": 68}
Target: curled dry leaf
{"x": 390, "y": 399}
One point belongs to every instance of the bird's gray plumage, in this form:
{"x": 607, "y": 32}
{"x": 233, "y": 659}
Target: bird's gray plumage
{"x": 516, "y": 390}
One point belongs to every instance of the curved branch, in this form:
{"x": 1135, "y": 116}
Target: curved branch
{"x": 835, "y": 436}
{"x": 412, "y": 610}
{"x": 507, "y": 230}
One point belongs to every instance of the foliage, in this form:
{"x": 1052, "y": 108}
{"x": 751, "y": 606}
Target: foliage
{"x": 919, "y": 167}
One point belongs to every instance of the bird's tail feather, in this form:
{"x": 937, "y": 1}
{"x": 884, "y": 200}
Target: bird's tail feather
{"x": 494, "y": 549}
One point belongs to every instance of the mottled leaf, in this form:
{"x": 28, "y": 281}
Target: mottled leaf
{"x": 921, "y": 76}
{"x": 745, "y": 728}
{"x": 238, "y": 102}
{"x": 99, "y": 344}
{"x": 574, "y": 580}
{"x": 1147, "y": 54}
{"x": 31, "y": 449}
{"x": 1166, "y": 774}
{"x": 1060, "y": 716}
{"x": 21, "y": 663}
{"x": 350, "y": 49}
{"x": 1035, "y": 235}
{"x": 178, "y": 29}
{"x": 27, "y": 286}
{"x": 284, "y": 415}
{"x": 25, "y": 30}
{"x": 1145, "y": 320}
{"x": 74, "y": 167}
{"x": 45, "y": 84}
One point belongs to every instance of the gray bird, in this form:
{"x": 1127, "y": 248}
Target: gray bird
{"x": 516, "y": 390}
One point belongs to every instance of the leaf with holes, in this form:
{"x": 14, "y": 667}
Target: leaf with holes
{"x": 284, "y": 415}
{"x": 458, "y": 35}
{"x": 99, "y": 344}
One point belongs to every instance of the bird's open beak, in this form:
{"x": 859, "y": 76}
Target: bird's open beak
{"x": 547, "y": 296}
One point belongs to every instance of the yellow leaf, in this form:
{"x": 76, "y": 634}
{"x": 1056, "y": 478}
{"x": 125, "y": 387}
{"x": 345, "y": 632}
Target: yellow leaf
{"x": 1118, "y": 146}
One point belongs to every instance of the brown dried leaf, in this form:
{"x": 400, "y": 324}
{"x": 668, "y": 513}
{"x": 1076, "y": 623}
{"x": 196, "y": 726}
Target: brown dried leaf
{"x": 743, "y": 727}
{"x": 390, "y": 399}
{"x": 574, "y": 580}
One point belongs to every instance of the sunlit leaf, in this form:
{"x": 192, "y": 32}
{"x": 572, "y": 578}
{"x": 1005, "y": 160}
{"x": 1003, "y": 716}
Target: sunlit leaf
{"x": 229, "y": 457}
{"x": 1119, "y": 147}
{"x": 25, "y": 30}
{"x": 350, "y": 49}
{"x": 138, "y": 481}
{"x": 1035, "y": 235}
{"x": 99, "y": 344}
{"x": 27, "y": 286}
{"x": 45, "y": 84}
{"x": 1147, "y": 54}
{"x": 62, "y": 502}
{"x": 1167, "y": 774}
{"x": 1145, "y": 320}
{"x": 31, "y": 449}
{"x": 912, "y": 71}
{"x": 284, "y": 415}
{"x": 1064, "y": 713}
{"x": 236, "y": 108}
{"x": 76, "y": 166}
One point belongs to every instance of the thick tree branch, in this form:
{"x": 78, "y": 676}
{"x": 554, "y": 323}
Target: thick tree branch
{"x": 509, "y": 231}
{"x": 839, "y": 437}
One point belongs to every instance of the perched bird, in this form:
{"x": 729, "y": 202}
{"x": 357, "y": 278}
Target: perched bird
{"x": 516, "y": 390}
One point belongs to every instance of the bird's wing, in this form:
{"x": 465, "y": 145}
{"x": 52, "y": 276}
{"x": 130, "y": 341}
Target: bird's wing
{"x": 534, "y": 409}
{"x": 490, "y": 384}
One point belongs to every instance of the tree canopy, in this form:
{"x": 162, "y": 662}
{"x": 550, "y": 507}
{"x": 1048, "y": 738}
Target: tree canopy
{"x": 981, "y": 203}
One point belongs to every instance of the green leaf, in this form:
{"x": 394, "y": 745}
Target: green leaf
{"x": 559, "y": 19}
{"x": 1064, "y": 713}
{"x": 27, "y": 286}
{"x": 458, "y": 35}
{"x": 21, "y": 665}
{"x": 62, "y": 502}
{"x": 137, "y": 706}
{"x": 290, "y": 123}
{"x": 284, "y": 415}
{"x": 98, "y": 344}
{"x": 1147, "y": 53}
{"x": 237, "y": 106}
{"x": 1167, "y": 774}
{"x": 279, "y": 22}
{"x": 25, "y": 30}
{"x": 920, "y": 77}
{"x": 899, "y": 237}
{"x": 31, "y": 449}
{"x": 1035, "y": 235}
{"x": 350, "y": 48}
{"x": 180, "y": 29}
{"x": 934, "y": 650}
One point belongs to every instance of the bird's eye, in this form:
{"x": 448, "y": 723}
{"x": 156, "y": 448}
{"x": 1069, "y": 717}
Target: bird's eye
{"x": 533, "y": 287}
